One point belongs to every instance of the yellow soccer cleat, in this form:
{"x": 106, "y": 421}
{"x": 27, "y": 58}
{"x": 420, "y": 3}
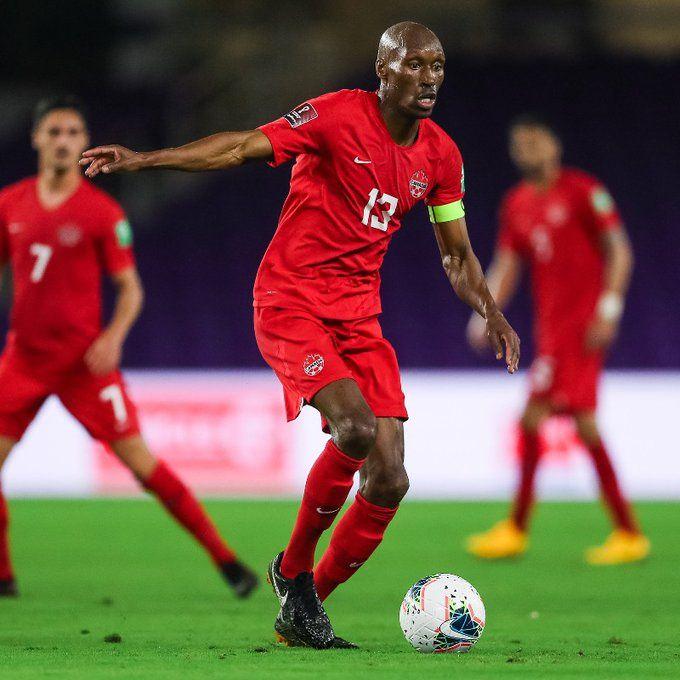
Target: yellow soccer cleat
{"x": 619, "y": 548}
{"x": 503, "y": 540}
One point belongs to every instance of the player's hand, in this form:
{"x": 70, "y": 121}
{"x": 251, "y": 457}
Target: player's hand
{"x": 104, "y": 355}
{"x": 476, "y": 333}
{"x": 501, "y": 334}
{"x": 601, "y": 334}
{"x": 111, "y": 158}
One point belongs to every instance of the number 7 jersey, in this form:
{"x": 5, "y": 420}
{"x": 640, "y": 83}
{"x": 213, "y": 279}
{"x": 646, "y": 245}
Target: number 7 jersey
{"x": 350, "y": 187}
{"x": 57, "y": 258}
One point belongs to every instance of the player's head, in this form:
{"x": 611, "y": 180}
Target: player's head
{"x": 535, "y": 148}
{"x": 410, "y": 65}
{"x": 59, "y": 133}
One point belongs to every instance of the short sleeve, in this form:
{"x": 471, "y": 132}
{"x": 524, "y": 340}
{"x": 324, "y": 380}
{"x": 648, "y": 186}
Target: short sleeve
{"x": 116, "y": 241}
{"x": 302, "y": 130}
{"x": 4, "y": 240}
{"x": 602, "y": 208}
{"x": 445, "y": 201}
{"x": 508, "y": 236}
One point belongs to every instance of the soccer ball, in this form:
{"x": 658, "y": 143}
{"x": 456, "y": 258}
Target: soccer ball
{"x": 442, "y": 613}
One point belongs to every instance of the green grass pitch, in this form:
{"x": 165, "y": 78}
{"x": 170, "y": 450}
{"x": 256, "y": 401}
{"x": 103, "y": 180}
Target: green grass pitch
{"x": 92, "y": 569}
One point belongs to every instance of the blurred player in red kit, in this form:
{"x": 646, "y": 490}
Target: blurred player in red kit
{"x": 60, "y": 234}
{"x": 563, "y": 224}
{"x": 362, "y": 160}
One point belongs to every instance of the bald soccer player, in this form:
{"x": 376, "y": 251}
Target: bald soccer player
{"x": 362, "y": 161}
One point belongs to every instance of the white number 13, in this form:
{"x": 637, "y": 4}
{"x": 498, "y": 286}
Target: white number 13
{"x": 42, "y": 253}
{"x": 385, "y": 199}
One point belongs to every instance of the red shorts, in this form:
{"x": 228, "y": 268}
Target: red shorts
{"x": 569, "y": 380}
{"x": 100, "y": 403}
{"x": 308, "y": 353}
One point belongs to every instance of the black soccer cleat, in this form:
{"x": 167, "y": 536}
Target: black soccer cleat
{"x": 338, "y": 643}
{"x": 8, "y": 588}
{"x": 242, "y": 579}
{"x": 302, "y": 620}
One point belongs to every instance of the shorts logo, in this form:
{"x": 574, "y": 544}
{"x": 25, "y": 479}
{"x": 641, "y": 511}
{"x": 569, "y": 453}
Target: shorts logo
{"x": 70, "y": 235}
{"x": 301, "y": 114}
{"x": 418, "y": 184}
{"x": 313, "y": 364}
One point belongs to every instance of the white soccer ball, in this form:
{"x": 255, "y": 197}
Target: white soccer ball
{"x": 442, "y": 613}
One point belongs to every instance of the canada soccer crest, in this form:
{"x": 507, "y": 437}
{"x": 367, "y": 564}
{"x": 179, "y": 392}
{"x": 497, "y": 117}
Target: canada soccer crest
{"x": 70, "y": 235}
{"x": 418, "y": 184}
{"x": 313, "y": 364}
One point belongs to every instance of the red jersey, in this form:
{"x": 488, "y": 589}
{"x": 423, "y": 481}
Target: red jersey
{"x": 57, "y": 258}
{"x": 350, "y": 187}
{"x": 557, "y": 233}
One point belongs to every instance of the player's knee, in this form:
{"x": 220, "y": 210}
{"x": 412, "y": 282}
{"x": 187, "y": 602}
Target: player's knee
{"x": 355, "y": 435}
{"x": 531, "y": 421}
{"x": 387, "y": 485}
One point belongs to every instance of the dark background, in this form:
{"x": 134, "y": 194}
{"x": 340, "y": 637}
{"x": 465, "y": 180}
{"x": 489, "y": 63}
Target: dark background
{"x": 161, "y": 72}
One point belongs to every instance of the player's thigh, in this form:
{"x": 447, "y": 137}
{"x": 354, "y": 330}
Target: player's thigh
{"x": 384, "y": 480}
{"x": 22, "y": 393}
{"x": 302, "y": 352}
{"x": 135, "y": 454}
{"x": 373, "y": 362}
{"x": 101, "y": 404}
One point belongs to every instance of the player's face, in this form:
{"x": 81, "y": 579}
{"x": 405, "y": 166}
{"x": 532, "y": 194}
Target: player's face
{"x": 60, "y": 138}
{"x": 412, "y": 78}
{"x": 533, "y": 149}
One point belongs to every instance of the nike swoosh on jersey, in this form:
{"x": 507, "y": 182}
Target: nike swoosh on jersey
{"x": 360, "y": 161}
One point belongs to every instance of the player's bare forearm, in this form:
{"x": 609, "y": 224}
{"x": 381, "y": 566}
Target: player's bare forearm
{"x": 618, "y": 262}
{"x": 503, "y": 277}
{"x": 105, "y": 353}
{"x": 467, "y": 279}
{"x": 129, "y": 302}
{"x": 220, "y": 151}
{"x": 618, "y": 268}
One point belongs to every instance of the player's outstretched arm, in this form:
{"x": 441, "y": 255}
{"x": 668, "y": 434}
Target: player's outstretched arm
{"x": 217, "y": 152}
{"x": 467, "y": 278}
{"x": 502, "y": 279}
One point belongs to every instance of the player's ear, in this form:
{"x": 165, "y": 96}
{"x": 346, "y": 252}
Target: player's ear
{"x": 381, "y": 69}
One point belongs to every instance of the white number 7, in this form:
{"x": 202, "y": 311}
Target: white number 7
{"x": 386, "y": 214}
{"x": 42, "y": 253}
{"x": 113, "y": 394}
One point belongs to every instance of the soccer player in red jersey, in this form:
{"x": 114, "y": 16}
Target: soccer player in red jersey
{"x": 60, "y": 235}
{"x": 362, "y": 160}
{"x": 563, "y": 224}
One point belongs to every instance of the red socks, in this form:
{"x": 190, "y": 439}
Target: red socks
{"x": 611, "y": 493}
{"x": 358, "y": 534}
{"x": 529, "y": 452}
{"x": 184, "y": 507}
{"x": 328, "y": 485}
{"x": 6, "y": 573}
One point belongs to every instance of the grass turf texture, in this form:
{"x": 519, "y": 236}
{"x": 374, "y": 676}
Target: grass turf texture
{"x": 112, "y": 589}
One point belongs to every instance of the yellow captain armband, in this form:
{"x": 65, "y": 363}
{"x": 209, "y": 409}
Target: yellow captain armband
{"x": 446, "y": 213}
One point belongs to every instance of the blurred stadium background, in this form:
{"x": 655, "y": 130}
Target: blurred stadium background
{"x": 161, "y": 72}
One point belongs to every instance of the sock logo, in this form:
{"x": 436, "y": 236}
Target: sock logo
{"x": 355, "y": 565}
{"x": 313, "y": 364}
{"x": 322, "y": 511}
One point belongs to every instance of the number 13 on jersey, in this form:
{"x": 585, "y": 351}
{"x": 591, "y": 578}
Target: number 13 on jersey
{"x": 385, "y": 199}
